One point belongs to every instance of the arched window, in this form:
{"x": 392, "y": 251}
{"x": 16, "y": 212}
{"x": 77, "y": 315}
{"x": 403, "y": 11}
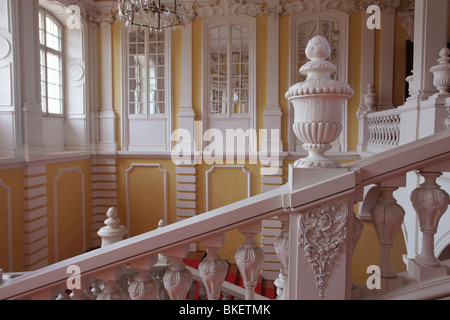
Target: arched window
{"x": 229, "y": 62}
{"x": 65, "y": 80}
{"x": 333, "y": 25}
{"x": 147, "y": 94}
{"x": 51, "y": 62}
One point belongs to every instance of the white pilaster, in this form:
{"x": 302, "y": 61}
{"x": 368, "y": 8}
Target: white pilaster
{"x": 272, "y": 114}
{"x": 387, "y": 60}
{"x": 186, "y": 114}
{"x": 30, "y": 79}
{"x": 9, "y": 85}
{"x": 107, "y": 117}
{"x": 430, "y": 36}
{"x": 422, "y": 115}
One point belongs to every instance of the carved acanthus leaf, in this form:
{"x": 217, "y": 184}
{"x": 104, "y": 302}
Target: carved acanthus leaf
{"x": 322, "y": 234}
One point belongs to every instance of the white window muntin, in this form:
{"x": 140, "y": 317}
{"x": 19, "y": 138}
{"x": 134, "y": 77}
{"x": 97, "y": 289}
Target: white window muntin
{"x": 51, "y": 64}
{"x": 148, "y": 73}
{"x": 246, "y": 91}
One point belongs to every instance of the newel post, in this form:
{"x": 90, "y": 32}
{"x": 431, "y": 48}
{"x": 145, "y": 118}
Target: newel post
{"x": 320, "y": 236}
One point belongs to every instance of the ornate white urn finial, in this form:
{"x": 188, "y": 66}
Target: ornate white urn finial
{"x": 318, "y": 104}
{"x": 441, "y": 72}
{"x": 370, "y": 98}
{"x": 112, "y": 232}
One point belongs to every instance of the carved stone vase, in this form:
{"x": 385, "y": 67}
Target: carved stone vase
{"x": 318, "y": 105}
{"x": 441, "y": 72}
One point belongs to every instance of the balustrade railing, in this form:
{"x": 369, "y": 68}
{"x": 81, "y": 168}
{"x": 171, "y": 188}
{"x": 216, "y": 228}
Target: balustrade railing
{"x": 384, "y": 128}
{"x": 132, "y": 269}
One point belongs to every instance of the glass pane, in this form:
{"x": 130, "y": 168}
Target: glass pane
{"x": 239, "y": 69}
{"x": 53, "y": 34}
{"x": 218, "y": 48}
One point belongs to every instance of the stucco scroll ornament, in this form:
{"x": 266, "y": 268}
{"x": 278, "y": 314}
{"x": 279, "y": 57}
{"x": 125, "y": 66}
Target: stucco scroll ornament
{"x": 292, "y": 7}
{"x": 230, "y": 8}
{"x": 322, "y": 234}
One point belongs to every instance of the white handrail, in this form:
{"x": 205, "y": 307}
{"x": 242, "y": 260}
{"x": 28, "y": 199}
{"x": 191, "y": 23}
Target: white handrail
{"x": 282, "y": 200}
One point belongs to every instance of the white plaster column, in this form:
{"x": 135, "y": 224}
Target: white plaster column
{"x": 430, "y": 36}
{"x": 9, "y": 80}
{"x": 32, "y": 138}
{"x": 387, "y": 59}
{"x": 107, "y": 116}
{"x": 93, "y": 86}
{"x": 186, "y": 114}
{"x": 272, "y": 113}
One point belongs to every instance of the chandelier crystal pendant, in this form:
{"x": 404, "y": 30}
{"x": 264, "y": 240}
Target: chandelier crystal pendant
{"x": 158, "y": 15}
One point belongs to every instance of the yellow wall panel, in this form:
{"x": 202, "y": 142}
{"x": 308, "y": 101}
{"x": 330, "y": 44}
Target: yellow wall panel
{"x": 68, "y": 200}
{"x": 146, "y": 199}
{"x": 12, "y": 188}
{"x": 146, "y": 193}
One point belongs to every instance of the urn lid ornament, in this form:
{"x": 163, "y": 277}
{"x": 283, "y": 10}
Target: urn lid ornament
{"x": 318, "y": 72}
{"x": 318, "y": 104}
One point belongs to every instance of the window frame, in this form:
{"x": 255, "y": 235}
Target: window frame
{"x": 61, "y": 54}
{"x": 209, "y": 24}
{"x": 146, "y": 116}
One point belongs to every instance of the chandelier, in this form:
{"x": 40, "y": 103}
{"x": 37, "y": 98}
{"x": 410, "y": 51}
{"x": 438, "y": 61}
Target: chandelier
{"x": 157, "y": 15}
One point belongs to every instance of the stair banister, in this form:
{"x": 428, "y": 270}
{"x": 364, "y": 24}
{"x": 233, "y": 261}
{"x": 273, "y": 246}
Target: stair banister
{"x": 419, "y": 154}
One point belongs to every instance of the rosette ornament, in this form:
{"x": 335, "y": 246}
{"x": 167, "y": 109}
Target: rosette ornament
{"x": 318, "y": 105}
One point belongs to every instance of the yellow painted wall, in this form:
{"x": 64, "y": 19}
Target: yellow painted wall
{"x": 65, "y": 202}
{"x": 147, "y": 186}
{"x": 12, "y": 179}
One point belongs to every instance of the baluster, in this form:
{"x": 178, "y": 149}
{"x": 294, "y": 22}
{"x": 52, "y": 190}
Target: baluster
{"x": 110, "y": 289}
{"x": 202, "y": 292}
{"x": 112, "y": 232}
{"x": 83, "y": 293}
{"x": 144, "y": 286}
{"x": 62, "y": 296}
{"x": 430, "y": 202}
{"x": 177, "y": 279}
{"x": 249, "y": 259}
{"x": 358, "y": 227}
{"x": 281, "y": 245}
{"x": 387, "y": 217}
{"x": 213, "y": 269}
{"x": 95, "y": 287}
